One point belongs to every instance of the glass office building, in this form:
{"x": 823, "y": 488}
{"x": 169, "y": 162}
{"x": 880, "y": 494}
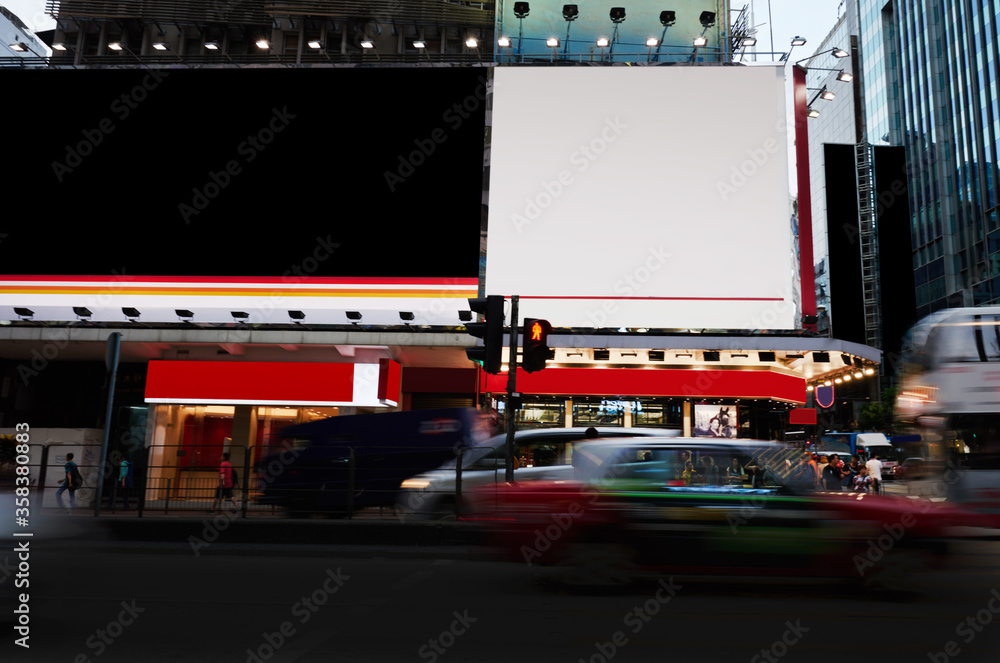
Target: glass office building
{"x": 930, "y": 85}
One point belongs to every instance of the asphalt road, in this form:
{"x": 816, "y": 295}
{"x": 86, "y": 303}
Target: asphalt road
{"x": 244, "y": 603}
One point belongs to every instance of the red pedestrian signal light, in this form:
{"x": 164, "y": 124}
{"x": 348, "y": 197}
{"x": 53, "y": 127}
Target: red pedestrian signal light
{"x": 536, "y": 345}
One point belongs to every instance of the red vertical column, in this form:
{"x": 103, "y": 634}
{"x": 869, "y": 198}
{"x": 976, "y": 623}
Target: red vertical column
{"x": 806, "y": 273}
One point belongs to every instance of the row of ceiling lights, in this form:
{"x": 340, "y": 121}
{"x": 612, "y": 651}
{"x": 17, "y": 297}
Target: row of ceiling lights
{"x": 185, "y": 315}
{"x": 845, "y": 377}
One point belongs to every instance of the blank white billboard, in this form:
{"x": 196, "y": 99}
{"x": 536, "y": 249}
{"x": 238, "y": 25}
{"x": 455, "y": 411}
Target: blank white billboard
{"x": 642, "y": 197}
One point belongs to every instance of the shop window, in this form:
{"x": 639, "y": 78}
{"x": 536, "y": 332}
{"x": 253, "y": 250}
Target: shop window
{"x": 541, "y": 415}
{"x": 650, "y": 414}
{"x": 600, "y": 413}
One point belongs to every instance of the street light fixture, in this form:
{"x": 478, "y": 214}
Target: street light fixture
{"x": 667, "y": 19}
{"x": 602, "y": 43}
{"x": 553, "y": 43}
{"x": 570, "y": 13}
{"x": 369, "y": 45}
{"x": 617, "y": 15}
{"x": 521, "y": 10}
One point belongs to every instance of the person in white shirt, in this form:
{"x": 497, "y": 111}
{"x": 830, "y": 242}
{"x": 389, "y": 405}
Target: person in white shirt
{"x": 875, "y": 472}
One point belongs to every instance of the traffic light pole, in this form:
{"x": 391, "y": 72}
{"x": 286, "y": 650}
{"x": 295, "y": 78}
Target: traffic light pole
{"x": 511, "y": 390}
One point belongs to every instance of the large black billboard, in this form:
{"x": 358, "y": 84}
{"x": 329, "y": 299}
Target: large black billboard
{"x": 242, "y": 172}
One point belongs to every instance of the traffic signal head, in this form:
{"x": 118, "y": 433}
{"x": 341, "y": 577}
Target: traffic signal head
{"x": 490, "y": 354}
{"x": 536, "y": 345}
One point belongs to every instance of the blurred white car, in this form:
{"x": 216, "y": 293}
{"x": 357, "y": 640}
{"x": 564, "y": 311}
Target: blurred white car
{"x": 432, "y": 495}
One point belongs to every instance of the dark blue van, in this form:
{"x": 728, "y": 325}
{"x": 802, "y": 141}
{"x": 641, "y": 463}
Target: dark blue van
{"x": 338, "y": 465}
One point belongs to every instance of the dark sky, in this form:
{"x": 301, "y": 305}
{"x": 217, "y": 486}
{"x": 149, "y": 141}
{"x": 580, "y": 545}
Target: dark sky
{"x": 243, "y": 172}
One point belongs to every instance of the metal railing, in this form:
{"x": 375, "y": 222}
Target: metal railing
{"x": 339, "y": 481}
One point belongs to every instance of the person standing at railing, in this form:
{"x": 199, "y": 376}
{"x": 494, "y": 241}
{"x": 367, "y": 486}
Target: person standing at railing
{"x": 226, "y": 479}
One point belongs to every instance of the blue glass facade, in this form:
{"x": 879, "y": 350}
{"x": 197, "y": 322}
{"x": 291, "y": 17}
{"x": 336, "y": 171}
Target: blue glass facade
{"x": 930, "y": 84}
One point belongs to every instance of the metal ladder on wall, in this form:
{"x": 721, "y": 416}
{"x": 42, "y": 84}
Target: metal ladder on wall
{"x": 869, "y": 245}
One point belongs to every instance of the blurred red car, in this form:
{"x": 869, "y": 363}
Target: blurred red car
{"x": 641, "y": 506}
